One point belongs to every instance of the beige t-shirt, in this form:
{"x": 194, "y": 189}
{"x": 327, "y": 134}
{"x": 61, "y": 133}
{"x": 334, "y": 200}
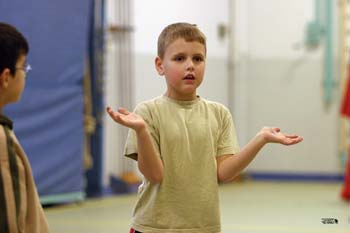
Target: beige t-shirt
{"x": 188, "y": 136}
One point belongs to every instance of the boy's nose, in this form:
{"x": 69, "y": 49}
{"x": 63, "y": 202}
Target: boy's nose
{"x": 189, "y": 65}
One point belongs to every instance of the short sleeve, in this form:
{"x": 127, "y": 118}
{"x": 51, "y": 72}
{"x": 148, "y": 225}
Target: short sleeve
{"x": 227, "y": 142}
{"x": 145, "y": 112}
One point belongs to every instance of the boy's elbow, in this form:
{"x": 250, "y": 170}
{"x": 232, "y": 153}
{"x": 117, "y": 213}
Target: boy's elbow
{"x": 225, "y": 179}
{"x": 153, "y": 176}
{"x": 156, "y": 178}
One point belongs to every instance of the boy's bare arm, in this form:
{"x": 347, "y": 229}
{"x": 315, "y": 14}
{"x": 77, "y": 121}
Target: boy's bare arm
{"x": 149, "y": 162}
{"x": 230, "y": 166}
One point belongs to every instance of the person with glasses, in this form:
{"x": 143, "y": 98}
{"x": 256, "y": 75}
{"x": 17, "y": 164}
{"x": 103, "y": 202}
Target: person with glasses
{"x": 26, "y": 68}
{"x": 20, "y": 208}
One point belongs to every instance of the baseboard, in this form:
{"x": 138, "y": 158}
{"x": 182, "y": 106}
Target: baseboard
{"x": 62, "y": 198}
{"x": 307, "y": 177}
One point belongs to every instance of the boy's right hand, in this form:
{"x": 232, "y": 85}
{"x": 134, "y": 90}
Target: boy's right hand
{"x": 126, "y": 118}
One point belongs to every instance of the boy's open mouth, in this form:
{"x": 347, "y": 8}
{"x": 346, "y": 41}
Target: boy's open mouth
{"x": 189, "y": 77}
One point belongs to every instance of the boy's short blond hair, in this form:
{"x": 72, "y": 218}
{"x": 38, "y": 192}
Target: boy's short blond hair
{"x": 186, "y": 31}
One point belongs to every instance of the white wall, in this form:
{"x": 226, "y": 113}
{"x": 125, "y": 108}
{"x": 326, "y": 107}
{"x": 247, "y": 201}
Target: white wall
{"x": 275, "y": 28}
{"x": 282, "y": 86}
{"x": 153, "y": 15}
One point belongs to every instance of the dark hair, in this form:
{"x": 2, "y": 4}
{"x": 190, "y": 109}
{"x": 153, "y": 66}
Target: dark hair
{"x": 12, "y": 45}
{"x": 186, "y": 31}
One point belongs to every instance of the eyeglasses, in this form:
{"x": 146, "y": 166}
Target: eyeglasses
{"x": 26, "y": 68}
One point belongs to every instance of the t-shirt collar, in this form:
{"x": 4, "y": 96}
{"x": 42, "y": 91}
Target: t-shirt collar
{"x": 183, "y": 102}
{"x": 4, "y": 120}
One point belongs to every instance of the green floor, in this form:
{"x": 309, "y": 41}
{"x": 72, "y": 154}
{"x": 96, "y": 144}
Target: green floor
{"x": 253, "y": 207}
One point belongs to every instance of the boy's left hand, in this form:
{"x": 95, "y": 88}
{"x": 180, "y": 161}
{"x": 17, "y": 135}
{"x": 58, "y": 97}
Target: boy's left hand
{"x": 272, "y": 134}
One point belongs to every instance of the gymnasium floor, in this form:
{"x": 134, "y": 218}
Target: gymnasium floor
{"x": 254, "y": 207}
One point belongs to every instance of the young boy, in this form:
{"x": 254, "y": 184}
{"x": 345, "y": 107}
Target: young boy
{"x": 185, "y": 145}
{"x": 20, "y": 209}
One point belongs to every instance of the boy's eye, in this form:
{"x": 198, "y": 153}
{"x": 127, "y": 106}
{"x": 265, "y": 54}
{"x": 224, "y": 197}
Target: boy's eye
{"x": 198, "y": 59}
{"x": 179, "y": 58}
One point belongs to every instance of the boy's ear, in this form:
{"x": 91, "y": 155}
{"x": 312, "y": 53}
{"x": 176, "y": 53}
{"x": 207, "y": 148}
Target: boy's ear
{"x": 4, "y": 77}
{"x": 159, "y": 65}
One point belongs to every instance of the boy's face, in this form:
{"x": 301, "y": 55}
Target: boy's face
{"x": 12, "y": 85}
{"x": 183, "y": 66}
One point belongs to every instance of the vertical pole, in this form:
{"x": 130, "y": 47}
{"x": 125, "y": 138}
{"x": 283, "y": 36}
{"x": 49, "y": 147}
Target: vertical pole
{"x": 328, "y": 82}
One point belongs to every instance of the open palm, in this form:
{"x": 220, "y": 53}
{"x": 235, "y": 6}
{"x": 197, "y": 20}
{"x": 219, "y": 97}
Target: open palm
{"x": 126, "y": 118}
{"x": 274, "y": 135}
